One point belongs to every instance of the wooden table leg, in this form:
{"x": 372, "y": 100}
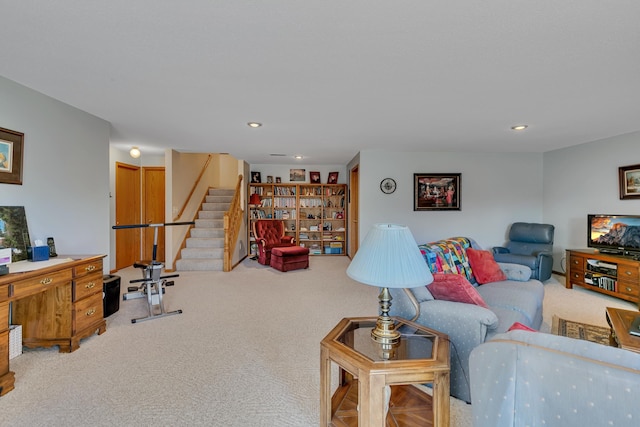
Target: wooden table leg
{"x": 325, "y": 388}
{"x": 371, "y": 400}
{"x": 441, "y": 399}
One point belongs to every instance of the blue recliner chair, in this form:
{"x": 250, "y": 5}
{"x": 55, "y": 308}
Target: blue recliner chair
{"x": 529, "y": 244}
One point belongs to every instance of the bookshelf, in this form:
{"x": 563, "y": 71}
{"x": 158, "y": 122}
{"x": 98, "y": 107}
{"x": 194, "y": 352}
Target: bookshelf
{"x": 314, "y": 214}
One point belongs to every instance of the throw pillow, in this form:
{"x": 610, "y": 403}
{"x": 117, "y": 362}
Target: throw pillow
{"x": 520, "y": 326}
{"x": 454, "y": 287}
{"x": 484, "y": 267}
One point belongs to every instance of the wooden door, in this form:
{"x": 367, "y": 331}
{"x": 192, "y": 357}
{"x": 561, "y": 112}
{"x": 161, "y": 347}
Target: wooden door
{"x": 153, "y": 210}
{"x": 127, "y": 213}
{"x": 353, "y": 211}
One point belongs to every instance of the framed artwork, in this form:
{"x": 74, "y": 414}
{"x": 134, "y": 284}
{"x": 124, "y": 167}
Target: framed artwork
{"x": 269, "y": 179}
{"x": 314, "y": 177}
{"x": 255, "y": 178}
{"x": 333, "y": 178}
{"x": 278, "y": 180}
{"x": 629, "y": 182}
{"x": 436, "y": 191}
{"x": 296, "y": 175}
{"x": 14, "y": 232}
{"x": 11, "y": 149}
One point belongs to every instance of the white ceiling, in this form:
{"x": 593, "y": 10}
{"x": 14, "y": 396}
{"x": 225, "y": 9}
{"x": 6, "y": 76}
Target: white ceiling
{"x": 330, "y": 78}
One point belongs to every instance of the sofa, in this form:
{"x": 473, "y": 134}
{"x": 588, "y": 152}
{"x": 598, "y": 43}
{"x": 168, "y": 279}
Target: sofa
{"x": 530, "y": 378}
{"x": 516, "y": 300}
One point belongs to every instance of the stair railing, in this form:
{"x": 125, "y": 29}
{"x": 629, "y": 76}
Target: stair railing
{"x": 232, "y": 223}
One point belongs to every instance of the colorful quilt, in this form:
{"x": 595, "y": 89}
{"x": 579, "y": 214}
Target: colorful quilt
{"x": 449, "y": 256}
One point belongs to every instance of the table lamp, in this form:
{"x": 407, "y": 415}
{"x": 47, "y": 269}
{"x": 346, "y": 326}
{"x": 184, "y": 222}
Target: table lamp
{"x": 389, "y": 257}
{"x": 254, "y": 199}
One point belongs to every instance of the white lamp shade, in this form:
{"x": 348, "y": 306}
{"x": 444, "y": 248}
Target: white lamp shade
{"x": 389, "y": 257}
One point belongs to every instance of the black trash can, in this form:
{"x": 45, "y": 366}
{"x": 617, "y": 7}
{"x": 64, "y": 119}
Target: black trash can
{"x": 111, "y": 294}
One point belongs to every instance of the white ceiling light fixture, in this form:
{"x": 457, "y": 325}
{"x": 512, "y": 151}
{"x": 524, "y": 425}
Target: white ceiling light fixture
{"x": 519, "y": 127}
{"x": 254, "y": 124}
{"x": 298, "y": 157}
{"x": 134, "y": 152}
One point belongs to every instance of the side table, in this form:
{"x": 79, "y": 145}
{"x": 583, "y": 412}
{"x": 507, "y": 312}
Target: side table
{"x": 620, "y": 321}
{"x": 421, "y": 356}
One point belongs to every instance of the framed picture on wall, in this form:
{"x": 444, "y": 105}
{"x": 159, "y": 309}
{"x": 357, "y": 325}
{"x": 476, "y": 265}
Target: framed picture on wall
{"x": 255, "y": 178}
{"x": 436, "y": 191}
{"x": 314, "y": 177}
{"x": 11, "y": 148}
{"x": 333, "y": 178}
{"x": 629, "y": 182}
{"x": 296, "y": 175}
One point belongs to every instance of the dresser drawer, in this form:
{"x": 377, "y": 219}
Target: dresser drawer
{"x": 26, "y": 287}
{"x": 628, "y": 272}
{"x": 576, "y": 263}
{"x": 87, "y": 285}
{"x": 4, "y": 292}
{"x": 89, "y": 267}
{"x": 88, "y": 311}
{"x": 631, "y": 289}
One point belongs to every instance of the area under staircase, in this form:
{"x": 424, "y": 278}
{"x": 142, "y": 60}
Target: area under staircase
{"x": 204, "y": 249}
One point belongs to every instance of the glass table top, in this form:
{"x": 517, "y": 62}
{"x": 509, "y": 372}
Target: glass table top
{"x": 414, "y": 343}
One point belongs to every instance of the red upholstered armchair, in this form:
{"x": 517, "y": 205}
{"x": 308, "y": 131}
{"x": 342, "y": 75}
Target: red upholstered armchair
{"x": 269, "y": 234}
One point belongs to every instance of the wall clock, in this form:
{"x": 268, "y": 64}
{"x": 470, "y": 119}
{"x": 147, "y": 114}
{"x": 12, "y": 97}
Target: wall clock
{"x": 388, "y": 185}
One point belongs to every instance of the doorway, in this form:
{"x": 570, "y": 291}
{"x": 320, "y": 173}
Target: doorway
{"x": 140, "y": 199}
{"x": 354, "y": 188}
{"x": 127, "y": 213}
{"x": 153, "y": 211}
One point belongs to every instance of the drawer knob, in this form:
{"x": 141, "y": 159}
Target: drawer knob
{"x": 90, "y": 285}
{"x": 628, "y": 289}
{"x": 90, "y": 268}
{"x": 46, "y": 281}
{"x": 91, "y": 312}
{"x": 628, "y": 273}
{"x": 575, "y": 262}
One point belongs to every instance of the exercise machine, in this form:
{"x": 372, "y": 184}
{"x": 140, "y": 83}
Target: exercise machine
{"x": 152, "y": 285}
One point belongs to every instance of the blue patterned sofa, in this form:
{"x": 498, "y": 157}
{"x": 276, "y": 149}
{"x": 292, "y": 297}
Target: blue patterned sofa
{"x": 523, "y": 378}
{"x": 517, "y": 299}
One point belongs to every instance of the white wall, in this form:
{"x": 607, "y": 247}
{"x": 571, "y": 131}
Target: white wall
{"x": 497, "y": 190}
{"x": 65, "y": 186}
{"x": 584, "y": 179}
{"x": 283, "y": 172}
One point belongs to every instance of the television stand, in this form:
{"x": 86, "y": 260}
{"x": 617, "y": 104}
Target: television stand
{"x": 614, "y": 275}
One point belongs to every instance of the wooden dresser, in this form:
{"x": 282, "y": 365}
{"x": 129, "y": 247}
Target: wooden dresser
{"x": 56, "y": 305}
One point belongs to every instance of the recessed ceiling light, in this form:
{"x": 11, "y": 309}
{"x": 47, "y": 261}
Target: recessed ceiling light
{"x": 298, "y": 157}
{"x": 254, "y": 124}
{"x": 519, "y": 127}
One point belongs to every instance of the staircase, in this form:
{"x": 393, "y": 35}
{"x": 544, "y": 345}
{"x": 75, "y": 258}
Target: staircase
{"x": 205, "y": 245}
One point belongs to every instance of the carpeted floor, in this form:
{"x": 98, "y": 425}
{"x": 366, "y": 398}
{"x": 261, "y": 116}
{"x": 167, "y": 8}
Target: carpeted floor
{"x": 245, "y": 352}
{"x": 581, "y": 331}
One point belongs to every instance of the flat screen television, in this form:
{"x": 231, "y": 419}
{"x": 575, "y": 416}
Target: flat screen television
{"x": 615, "y": 234}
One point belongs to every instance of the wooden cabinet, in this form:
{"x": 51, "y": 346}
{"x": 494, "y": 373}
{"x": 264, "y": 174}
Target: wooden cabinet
{"x": 60, "y": 306}
{"x": 314, "y": 214}
{"x": 56, "y": 305}
{"x": 618, "y": 276}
